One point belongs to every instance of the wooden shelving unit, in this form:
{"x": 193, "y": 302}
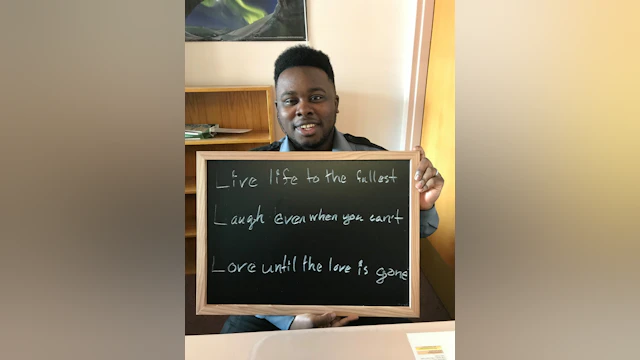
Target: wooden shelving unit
{"x": 254, "y": 136}
{"x": 189, "y": 185}
{"x": 239, "y": 107}
{"x": 190, "y": 227}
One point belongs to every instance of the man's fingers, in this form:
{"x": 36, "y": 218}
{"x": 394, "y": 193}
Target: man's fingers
{"x": 422, "y": 167}
{"x": 344, "y": 321}
{"x": 426, "y": 175}
{"x": 420, "y": 170}
{"x": 432, "y": 183}
{"x": 331, "y": 320}
{"x": 323, "y": 320}
{"x": 429, "y": 173}
{"x": 420, "y": 149}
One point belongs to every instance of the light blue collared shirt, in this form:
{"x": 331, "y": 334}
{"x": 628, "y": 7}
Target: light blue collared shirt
{"x": 429, "y": 219}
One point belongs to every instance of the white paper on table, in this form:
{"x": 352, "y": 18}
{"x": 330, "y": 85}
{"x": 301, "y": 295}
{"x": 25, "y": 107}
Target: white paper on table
{"x": 433, "y": 345}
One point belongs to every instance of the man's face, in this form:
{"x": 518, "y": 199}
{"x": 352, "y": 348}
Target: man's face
{"x": 307, "y": 106}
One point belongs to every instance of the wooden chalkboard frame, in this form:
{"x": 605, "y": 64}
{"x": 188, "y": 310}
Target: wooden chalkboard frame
{"x": 202, "y": 308}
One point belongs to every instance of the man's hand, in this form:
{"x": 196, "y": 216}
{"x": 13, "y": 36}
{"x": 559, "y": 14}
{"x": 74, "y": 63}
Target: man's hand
{"x": 429, "y": 181}
{"x": 309, "y": 321}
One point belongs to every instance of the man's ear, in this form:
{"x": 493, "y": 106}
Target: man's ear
{"x": 337, "y": 103}
{"x": 278, "y": 117}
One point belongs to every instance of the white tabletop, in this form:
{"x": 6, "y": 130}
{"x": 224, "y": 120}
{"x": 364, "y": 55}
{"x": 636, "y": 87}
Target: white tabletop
{"x": 354, "y": 342}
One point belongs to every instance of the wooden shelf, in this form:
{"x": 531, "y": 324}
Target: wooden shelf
{"x": 252, "y": 137}
{"x": 195, "y": 89}
{"x": 235, "y": 107}
{"x": 190, "y": 256}
{"x": 190, "y": 185}
{"x": 190, "y": 228}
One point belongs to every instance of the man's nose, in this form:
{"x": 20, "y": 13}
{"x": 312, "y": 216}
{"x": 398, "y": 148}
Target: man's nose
{"x": 304, "y": 108}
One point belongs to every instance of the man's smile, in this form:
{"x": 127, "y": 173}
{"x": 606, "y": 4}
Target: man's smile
{"x": 308, "y": 129}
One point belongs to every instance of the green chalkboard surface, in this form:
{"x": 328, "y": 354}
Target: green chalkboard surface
{"x": 286, "y": 233}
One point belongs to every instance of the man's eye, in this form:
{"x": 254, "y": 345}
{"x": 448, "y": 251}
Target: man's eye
{"x": 289, "y": 102}
{"x": 317, "y": 98}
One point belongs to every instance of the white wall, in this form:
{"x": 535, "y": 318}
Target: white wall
{"x": 370, "y": 45}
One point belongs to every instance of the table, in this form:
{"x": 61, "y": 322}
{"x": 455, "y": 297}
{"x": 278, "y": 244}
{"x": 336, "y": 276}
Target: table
{"x": 355, "y": 342}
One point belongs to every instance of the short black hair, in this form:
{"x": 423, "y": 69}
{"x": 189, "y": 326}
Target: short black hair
{"x": 303, "y": 55}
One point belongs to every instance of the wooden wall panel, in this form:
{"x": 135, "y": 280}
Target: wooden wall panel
{"x": 437, "y": 253}
{"x": 438, "y": 127}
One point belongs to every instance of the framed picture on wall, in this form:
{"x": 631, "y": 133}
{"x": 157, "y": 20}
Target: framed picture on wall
{"x": 245, "y": 20}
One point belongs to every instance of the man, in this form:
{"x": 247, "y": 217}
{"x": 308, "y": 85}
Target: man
{"x": 307, "y": 105}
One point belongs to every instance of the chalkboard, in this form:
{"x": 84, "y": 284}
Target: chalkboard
{"x": 299, "y": 232}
